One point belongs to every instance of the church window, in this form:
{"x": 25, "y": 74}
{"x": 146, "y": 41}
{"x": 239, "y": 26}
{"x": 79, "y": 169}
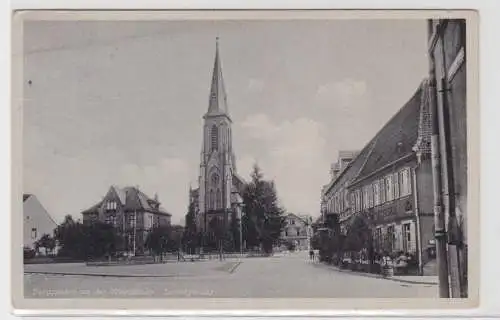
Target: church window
{"x": 219, "y": 199}
{"x": 214, "y": 135}
{"x": 215, "y": 179}
{"x": 211, "y": 200}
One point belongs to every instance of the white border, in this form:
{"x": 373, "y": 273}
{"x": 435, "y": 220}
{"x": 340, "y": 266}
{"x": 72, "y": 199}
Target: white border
{"x": 489, "y": 66}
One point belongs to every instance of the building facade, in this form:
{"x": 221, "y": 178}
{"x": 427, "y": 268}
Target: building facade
{"x": 219, "y": 186}
{"x": 36, "y": 221}
{"x": 448, "y": 75}
{"x": 131, "y": 212}
{"x": 297, "y": 230}
{"x": 389, "y": 183}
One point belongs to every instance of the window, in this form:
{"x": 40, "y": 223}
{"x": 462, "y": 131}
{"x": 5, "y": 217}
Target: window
{"x": 365, "y": 197}
{"x": 406, "y": 237}
{"x": 111, "y": 205}
{"x": 219, "y": 199}
{"x": 376, "y": 193}
{"x": 382, "y": 191}
{"x": 389, "y": 188}
{"x": 214, "y": 135}
{"x": 358, "y": 200}
{"x": 151, "y": 221}
{"x": 405, "y": 182}
{"x": 370, "y": 196}
{"x": 33, "y": 233}
{"x": 211, "y": 199}
{"x": 292, "y": 221}
{"x": 131, "y": 220}
{"x": 396, "y": 185}
{"x": 390, "y": 237}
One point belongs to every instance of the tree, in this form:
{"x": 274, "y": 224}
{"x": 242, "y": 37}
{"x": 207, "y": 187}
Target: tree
{"x": 190, "y": 238}
{"x": 47, "y": 242}
{"x": 79, "y": 241}
{"x": 157, "y": 240}
{"x": 71, "y": 237}
{"x": 359, "y": 236}
{"x": 264, "y": 217}
{"x": 101, "y": 240}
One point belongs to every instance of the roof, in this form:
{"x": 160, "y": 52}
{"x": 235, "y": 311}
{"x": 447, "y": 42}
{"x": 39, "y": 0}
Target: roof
{"x": 131, "y": 198}
{"x": 301, "y": 217}
{"x": 352, "y": 169}
{"x": 397, "y": 138}
{"x": 218, "y": 99}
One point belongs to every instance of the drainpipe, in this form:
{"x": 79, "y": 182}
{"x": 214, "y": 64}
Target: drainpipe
{"x": 439, "y": 219}
{"x": 417, "y": 217}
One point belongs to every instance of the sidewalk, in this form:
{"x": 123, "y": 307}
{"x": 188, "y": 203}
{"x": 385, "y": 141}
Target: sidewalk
{"x": 426, "y": 280}
{"x": 164, "y": 270}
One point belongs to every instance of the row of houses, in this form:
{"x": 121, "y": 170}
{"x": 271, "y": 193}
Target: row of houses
{"x": 387, "y": 182}
{"x": 391, "y": 182}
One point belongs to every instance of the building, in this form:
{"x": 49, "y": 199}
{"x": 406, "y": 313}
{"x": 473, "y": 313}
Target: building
{"x": 297, "y": 230}
{"x": 389, "y": 183}
{"x": 131, "y": 212}
{"x": 448, "y": 75}
{"x": 219, "y": 187}
{"x": 36, "y": 221}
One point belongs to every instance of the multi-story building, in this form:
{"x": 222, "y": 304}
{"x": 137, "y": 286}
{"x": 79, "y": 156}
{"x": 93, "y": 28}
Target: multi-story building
{"x": 389, "y": 182}
{"x": 131, "y": 212}
{"x": 297, "y": 230}
{"x": 37, "y": 221}
{"x": 448, "y": 75}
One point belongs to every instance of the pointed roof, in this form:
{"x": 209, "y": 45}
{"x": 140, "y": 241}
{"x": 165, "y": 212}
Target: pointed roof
{"x": 218, "y": 101}
{"x": 132, "y": 199}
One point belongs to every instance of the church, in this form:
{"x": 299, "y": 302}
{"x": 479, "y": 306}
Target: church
{"x": 219, "y": 191}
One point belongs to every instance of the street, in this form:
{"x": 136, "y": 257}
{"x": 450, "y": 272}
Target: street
{"x": 288, "y": 276}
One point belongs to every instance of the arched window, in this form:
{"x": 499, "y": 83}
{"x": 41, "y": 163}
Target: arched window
{"x": 219, "y": 199}
{"x": 214, "y": 136}
{"x": 211, "y": 199}
{"x": 215, "y": 179}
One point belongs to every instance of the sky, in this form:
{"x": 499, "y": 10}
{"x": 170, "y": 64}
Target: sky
{"x": 121, "y": 102}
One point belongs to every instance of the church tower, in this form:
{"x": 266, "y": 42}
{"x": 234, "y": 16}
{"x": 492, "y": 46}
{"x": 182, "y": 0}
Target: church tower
{"x": 217, "y": 165}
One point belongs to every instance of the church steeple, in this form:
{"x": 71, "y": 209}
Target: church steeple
{"x": 218, "y": 101}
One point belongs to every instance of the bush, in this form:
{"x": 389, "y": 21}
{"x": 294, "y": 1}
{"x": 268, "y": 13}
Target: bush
{"x": 28, "y": 253}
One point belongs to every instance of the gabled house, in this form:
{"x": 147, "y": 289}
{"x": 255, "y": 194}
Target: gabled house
{"x": 131, "y": 212}
{"x": 297, "y": 230}
{"x": 36, "y": 221}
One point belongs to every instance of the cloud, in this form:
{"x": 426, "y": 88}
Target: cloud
{"x": 255, "y": 85}
{"x": 344, "y": 94}
{"x": 169, "y": 177}
{"x": 294, "y": 157}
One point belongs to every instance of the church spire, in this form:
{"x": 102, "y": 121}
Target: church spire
{"x": 217, "y": 102}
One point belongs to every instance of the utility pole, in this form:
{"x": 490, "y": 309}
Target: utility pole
{"x": 439, "y": 221}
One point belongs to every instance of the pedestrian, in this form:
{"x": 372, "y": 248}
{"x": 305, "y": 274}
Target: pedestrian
{"x": 311, "y": 255}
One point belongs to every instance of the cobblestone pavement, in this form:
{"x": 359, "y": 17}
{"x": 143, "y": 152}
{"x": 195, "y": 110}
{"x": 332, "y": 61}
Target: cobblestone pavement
{"x": 290, "y": 276}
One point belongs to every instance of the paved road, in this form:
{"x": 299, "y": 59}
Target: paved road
{"x": 287, "y": 277}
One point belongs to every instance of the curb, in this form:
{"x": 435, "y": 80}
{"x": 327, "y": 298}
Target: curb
{"x": 106, "y": 275}
{"x": 368, "y": 275}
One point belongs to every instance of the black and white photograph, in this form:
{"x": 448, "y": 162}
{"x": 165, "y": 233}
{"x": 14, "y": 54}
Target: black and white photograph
{"x": 246, "y": 158}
